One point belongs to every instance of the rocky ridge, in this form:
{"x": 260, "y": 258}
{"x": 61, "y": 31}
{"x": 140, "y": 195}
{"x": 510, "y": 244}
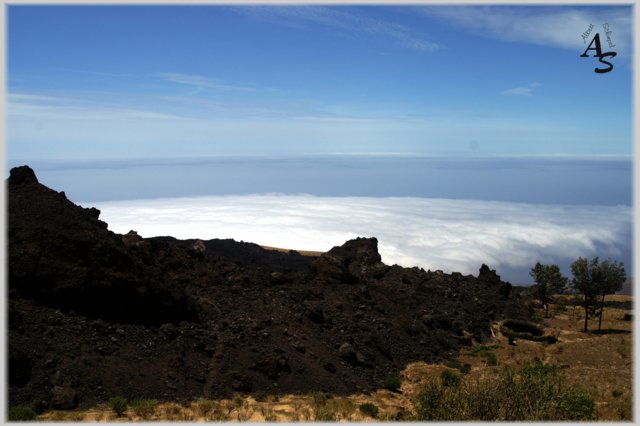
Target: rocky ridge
{"x": 94, "y": 314}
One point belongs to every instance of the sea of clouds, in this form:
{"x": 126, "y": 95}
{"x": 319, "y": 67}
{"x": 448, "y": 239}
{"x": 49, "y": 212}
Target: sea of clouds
{"x": 445, "y": 234}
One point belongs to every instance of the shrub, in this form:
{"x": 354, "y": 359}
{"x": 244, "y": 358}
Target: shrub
{"x": 392, "y": 383}
{"x": 342, "y": 407}
{"x": 463, "y": 368}
{"x": 368, "y": 409}
{"x": 324, "y": 413}
{"x": 238, "y": 401}
{"x": 537, "y": 392}
{"x": 491, "y": 358}
{"x": 21, "y": 413}
{"x": 482, "y": 348}
{"x": 319, "y": 398}
{"x": 450, "y": 378}
{"x": 322, "y": 410}
{"x": 144, "y": 407}
{"x": 579, "y": 406}
{"x": 435, "y": 402}
{"x": 171, "y": 411}
{"x": 537, "y": 317}
{"x": 205, "y": 406}
{"x": 119, "y": 405}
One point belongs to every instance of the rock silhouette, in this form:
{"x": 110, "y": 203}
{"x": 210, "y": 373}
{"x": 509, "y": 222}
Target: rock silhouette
{"x": 94, "y": 314}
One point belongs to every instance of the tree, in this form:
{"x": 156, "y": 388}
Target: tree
{"x": 594, "y": 279}
{"x": 585, "y": 283}
{"x": 610, "y": 277}
{"x": 549, "y": 281}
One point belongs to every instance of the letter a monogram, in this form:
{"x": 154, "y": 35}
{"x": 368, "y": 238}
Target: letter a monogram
{"x": 599, "y": 54}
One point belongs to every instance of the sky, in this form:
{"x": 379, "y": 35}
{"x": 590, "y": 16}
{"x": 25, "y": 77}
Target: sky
{"x": 131, "y": 82}
{"x": 457, "y": 135}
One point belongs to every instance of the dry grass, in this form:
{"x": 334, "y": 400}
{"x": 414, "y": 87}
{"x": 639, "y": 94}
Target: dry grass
{"x": 599, "y": 363}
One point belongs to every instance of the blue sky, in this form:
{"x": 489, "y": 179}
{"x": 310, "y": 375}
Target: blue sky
{"x": 94, "y": 82}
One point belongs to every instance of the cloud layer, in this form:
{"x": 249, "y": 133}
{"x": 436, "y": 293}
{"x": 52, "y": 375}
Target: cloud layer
{"x": 452, "y": 235}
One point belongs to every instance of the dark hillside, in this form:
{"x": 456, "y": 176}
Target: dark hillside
{"x": 94, "y": 314}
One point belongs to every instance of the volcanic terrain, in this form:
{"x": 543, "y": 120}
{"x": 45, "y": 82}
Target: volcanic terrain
{"x": 94, "y": 314}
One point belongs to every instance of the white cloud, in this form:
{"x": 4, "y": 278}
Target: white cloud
{"x": 452, "y": 235}
{"x": 341, "y": 21}
{"x": 200, "y": 82}
{"x": 40, "y": 107}
{"x": 543, "y": 25}
{"x": 519, "y": 91}
{"x": 522, "y": 91}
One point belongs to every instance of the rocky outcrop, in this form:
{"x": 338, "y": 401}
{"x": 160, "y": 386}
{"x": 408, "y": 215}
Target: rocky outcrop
{"x": 65, "y": 257}
{"x": 356, "y": 261}
{"x": 93, "y": 314}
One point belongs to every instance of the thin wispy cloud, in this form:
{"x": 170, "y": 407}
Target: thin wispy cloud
{"x": 347, "y": 23}
{"x": 452, "y": 235}
{"x": 101, "y": 73}
{"x": 42, "y": 107}
{"x": 549, "y": 26}
{"x": 522, "y": 91}
{"x": 200, "y": 83}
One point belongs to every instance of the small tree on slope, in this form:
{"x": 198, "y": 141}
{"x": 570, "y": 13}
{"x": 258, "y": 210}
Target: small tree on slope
{"x": 594, "y": 279}
{"x": 584, "y": 282}
{"x": 610, "y": 277}
{"x": 549, "y": 281}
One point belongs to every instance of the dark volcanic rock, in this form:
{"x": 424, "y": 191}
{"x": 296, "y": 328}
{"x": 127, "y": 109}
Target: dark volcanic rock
{"x": 356, "y": 260}
{"x": 63, "y": 256}
{"x": 64, "y": 398}
{"x": 22, "y": 175}
{"x": 102, "y": 314}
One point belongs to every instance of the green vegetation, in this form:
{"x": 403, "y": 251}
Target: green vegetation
{"x": 238, "y": 401}
{"x": 457, "y": 365}
{"x": 450, "y": 379}
{"x": 482, "y": 348}
{"x": 343, "y": 407}
{"x": 321, "y": 409}
{"x": 119, "y": 405}
{"x": 211, "y": 410}
{"x": 392, "y": 383}
{"x": 538, "y": 317}
{"x": 21, "y": 413}
{"x": 594, "y": 280}
{"x": 549, "y": 281}
{"x": 329, "y": 409}
{"x": 144, "y": 408}
{"x": 491, "y": 358}
{"x": 368, "y": 409}
{"x": 537, "y": 392}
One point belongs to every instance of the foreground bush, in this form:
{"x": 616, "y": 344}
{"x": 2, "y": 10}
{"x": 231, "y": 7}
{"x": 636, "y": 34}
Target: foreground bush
{"x": 369, "y": 409}
{"x": 21, "y": 413}
{"x": 144, "y": 408}
{"x": 537, "y": 392}
{"x": 329, "y": 409}
{"x": 119, "y": 405}
{"x": 392, "y": 383}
